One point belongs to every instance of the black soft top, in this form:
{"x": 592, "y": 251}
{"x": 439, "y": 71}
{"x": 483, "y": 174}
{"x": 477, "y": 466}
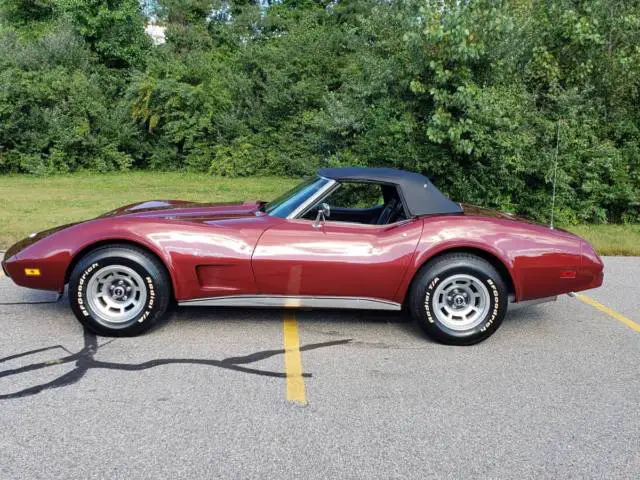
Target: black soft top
{"x": 420, "y": 195}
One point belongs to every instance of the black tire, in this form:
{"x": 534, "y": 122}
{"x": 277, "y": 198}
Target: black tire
{"x": 153, "y": 292}
{"x": 429, "y": 288}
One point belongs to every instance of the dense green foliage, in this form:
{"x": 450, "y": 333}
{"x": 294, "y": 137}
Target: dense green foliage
{"x": 478, "y": 94}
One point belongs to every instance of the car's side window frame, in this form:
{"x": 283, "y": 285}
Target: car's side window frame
{"x": 300, "y": 213}
{"x": 309, "y": 203}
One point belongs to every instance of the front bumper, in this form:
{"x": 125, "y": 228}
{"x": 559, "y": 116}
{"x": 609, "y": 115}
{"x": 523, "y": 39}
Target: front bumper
{"x": 28, "y": 255}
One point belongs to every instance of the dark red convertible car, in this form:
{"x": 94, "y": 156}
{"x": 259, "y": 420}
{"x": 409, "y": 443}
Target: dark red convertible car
{"x": 363, "y": 238}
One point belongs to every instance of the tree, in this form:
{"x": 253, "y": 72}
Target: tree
{"x": 476, "y": 94}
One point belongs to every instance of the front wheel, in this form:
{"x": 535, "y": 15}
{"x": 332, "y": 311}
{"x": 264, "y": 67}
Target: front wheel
{"x": 459, "y": 299}
{"x": 119, "y": 291}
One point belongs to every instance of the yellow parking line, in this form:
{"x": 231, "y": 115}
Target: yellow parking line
{"x": 612, "y": 313}
{"x": 293, "y": 360}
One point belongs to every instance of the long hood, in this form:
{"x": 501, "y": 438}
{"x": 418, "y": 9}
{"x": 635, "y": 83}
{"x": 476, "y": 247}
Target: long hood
{"x": 180, "y": 209}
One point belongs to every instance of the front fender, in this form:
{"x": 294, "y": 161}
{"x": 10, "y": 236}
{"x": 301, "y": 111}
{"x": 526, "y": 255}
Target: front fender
{"x": 53, "y": 253}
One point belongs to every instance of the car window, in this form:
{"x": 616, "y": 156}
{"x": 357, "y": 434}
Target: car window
{"x": 357, "y": 195}
{"x": 361, "y": 202}
{"x": 289, "y": 201}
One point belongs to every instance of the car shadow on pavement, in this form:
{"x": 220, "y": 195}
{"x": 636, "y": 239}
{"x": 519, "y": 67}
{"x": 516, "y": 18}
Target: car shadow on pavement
{"x": 315, "y": 319}
{"x": 528, "y": 313}
{"x": 84, "y": 360}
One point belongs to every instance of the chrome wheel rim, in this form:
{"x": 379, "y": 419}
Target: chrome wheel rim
{"x": 461, "y": 302}
{"x": 116, "y": 294}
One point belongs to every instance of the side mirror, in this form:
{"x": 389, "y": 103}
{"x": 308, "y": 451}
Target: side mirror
{"x": 325, "y": 209}
{"x": 324, "y": 212}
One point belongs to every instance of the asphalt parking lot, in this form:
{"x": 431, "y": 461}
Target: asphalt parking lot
{"x": 553, "y": 394}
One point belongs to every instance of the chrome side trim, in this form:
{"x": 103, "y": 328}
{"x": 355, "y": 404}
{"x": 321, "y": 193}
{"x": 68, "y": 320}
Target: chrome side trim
{"x": 290, "y": 301}
{"x": 312, "y": 199}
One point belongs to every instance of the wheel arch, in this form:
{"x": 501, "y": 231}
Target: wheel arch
{"x": 495, "y": 261}
{"x": 115, "y": 242}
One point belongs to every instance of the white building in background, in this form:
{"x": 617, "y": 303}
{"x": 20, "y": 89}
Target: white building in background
{"x": 156, "y": 32}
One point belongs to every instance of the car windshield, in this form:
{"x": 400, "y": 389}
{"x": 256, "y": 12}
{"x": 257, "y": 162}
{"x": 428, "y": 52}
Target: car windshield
{"x": 288, "y": 202}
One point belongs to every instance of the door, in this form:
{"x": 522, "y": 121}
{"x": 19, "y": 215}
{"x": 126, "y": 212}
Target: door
{"x": 294, "y": 257}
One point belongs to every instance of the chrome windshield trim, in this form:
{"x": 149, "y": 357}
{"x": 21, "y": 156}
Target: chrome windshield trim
{"x": 313, "y": 198}
{"x": 292, "y": 301}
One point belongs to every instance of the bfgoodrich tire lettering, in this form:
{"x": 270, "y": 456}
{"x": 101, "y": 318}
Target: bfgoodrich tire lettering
{"x": 458, "y": 299}
{"x": 119, "y": 290}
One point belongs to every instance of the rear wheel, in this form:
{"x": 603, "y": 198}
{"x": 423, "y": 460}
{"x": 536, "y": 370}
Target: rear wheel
{"x": 459, "y": 299}
{"x": 119, "y": 290}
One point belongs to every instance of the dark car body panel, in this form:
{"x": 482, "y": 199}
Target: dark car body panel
{"x": 339, "y": 259}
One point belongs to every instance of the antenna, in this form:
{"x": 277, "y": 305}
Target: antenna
{"x": 555, "y": 175}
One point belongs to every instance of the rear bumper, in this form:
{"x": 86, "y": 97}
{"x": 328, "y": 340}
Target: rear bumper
{"x": 591, "y": 272}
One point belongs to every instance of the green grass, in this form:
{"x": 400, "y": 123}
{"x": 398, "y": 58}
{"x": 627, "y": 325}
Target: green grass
{"x": 29, "y": 204}
{"x": 611, "y": 239}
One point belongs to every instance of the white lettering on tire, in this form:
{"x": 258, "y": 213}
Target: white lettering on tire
{"x": 81, "y": 283}
{"x": 494, "y": 291}
{"x": 427, "y": 299}
{"x": 496, "y": 304}
{"x": 151, "y": 301}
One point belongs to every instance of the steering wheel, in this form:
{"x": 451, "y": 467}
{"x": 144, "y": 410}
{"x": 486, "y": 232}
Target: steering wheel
{"x": 388, "y": 209}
